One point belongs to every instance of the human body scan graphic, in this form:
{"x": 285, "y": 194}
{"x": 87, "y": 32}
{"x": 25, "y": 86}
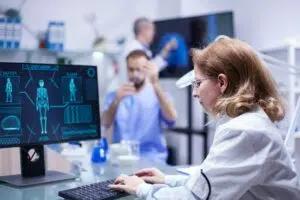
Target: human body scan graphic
{"x": 73, "y": 89}
{"x": 42, "y": 105}
{"x": 8, "y": 91}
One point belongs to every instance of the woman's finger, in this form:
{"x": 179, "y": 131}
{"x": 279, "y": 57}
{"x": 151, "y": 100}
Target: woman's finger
{"x": 148, "y": 179}
{"x": 117, "y": 187}
{"x": 143, "y": 172}
{"x": 120, "y": 179}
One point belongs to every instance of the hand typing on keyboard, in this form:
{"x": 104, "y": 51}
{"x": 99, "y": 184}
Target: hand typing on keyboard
{"x": 127, "y": 184}
{"x": 113, "y": 189}
{"x": 95, "y": 191}
{"x": 130, "y": 184}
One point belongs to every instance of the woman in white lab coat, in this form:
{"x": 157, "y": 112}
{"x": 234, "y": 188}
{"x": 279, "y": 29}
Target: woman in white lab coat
{"x": 247, "y": 159}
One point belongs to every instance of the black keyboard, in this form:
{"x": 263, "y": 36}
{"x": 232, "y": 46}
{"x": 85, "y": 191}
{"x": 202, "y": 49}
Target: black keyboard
{"x": 95, "y": 191}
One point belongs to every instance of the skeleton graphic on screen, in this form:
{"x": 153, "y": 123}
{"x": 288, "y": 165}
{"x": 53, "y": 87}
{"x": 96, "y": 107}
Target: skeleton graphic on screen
{"x": 42, "y": 105}
{"x": 8, "y": 90}
{"x": 73, "y": 89}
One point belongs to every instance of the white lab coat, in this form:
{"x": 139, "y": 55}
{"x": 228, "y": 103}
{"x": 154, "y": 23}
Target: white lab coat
{"x": 247, "y": 161}
{"x": 137, "y": 45}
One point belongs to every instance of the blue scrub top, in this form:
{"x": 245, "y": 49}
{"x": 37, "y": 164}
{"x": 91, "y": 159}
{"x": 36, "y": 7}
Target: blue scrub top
{"x": 139, "y": 117}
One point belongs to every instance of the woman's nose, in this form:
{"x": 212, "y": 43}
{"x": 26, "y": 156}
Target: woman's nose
{"x": 195, "y": 93}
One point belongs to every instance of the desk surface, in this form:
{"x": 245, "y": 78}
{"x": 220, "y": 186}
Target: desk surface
{"x": 87, "y": 173}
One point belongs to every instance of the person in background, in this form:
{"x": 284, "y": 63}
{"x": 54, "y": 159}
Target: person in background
{"x": 144, "y": 32}
{"x": 138, "y": 108}
{"x": 247, "y": 160}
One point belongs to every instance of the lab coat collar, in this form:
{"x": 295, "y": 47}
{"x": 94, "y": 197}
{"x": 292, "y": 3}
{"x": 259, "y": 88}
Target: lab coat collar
{"x": 222, "y": 120}
{"x": 225, "y": 118}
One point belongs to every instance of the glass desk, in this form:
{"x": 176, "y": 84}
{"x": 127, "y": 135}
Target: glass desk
{"x": 87, "y": 173}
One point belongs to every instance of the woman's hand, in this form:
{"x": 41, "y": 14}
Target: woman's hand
{"x": 127, "y": 184}
{"x": 151, "y": 175}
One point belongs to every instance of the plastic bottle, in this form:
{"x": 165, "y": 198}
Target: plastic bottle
{"x": 99, "y": 153}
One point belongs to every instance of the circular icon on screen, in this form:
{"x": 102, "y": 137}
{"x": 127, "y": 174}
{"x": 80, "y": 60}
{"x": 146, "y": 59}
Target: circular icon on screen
{"x": 91, "y": 72}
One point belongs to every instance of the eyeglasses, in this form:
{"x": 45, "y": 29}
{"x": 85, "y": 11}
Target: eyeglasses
{"x": 197, "y": 83}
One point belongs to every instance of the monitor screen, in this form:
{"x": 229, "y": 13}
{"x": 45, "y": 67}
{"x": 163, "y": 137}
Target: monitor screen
{"x": 45, "y": 103}
{"x": 189, "y": 32}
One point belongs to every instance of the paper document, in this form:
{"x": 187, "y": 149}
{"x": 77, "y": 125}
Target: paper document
{"x": 188, "y": 170}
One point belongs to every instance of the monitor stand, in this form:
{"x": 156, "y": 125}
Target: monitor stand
{"x": 33, "y": 170}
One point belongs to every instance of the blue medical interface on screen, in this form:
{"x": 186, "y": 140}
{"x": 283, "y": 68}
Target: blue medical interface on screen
{"x": 42, "y": 103}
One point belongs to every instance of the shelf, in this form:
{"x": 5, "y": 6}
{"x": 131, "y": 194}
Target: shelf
{"x": 27, "y": 55}
{"x": 290, "y": 54}
{"x": 73, "y": 52}
{"x": 288, "y": 90}
{"x": 46, "y": 51}
{"x": 279, "y": 48}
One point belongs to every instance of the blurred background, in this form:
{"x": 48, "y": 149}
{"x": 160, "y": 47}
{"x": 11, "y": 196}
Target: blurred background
{"x": 95, "y": 32}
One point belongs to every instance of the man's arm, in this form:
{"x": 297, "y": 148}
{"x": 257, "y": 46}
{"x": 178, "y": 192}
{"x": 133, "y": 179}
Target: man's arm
{"x": 109, "y": 115}
{"x": 160, "y": 59}
{"x": 172, "y": 44}
{"x": 166, "y": 105}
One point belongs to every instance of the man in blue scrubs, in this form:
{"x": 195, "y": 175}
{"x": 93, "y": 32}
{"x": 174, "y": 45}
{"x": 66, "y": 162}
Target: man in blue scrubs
{"x": 138, "y": 109}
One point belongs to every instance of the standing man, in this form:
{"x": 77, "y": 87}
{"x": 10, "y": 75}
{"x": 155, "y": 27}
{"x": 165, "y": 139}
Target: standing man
{"x": 144, "y": 32}
{"x": 138, "y": 109}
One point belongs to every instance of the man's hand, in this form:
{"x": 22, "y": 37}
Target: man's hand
{"x": 151, "y": 71}
{"x": 128, "y": 184}
{"x": 125, "y": 90}
{"x": 172, "y": 44}
{"x": 151, "y": 175}
{"x": 109, "y": 115}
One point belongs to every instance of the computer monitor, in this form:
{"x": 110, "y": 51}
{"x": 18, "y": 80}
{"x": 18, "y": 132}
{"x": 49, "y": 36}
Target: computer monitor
{"x": 189, "y": 32}
{"x": 45, "y": 104}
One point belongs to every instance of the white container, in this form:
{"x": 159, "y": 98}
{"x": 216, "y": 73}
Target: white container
{"x": 116, "y": 150}
{"x": 128, "y": 160}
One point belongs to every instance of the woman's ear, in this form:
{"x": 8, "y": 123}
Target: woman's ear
{"x": 222, "y": 82}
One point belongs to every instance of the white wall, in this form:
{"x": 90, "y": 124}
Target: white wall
{"x": 168, "y": 9}
{"x": 199, "y": 7}
{"x": 115, "y": 18}
{"x": 263, "y": 24}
